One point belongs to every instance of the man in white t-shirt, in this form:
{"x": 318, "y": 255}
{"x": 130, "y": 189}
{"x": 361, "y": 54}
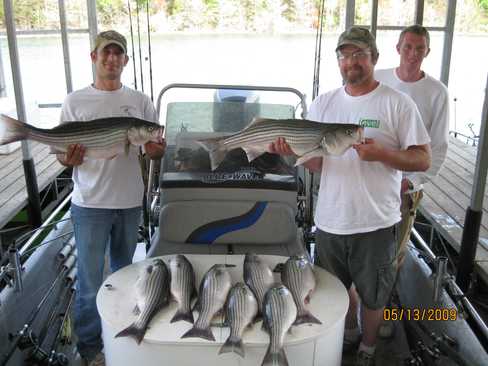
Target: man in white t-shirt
{"x": 359, "y": 197}
{"x": 107, "y": 194}
{"x": 432, "y": 100}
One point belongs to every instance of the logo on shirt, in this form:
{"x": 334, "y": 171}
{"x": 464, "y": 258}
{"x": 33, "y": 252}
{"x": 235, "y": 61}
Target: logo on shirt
{"x": 371, "y": 123}
{"x": 128, "y": 110}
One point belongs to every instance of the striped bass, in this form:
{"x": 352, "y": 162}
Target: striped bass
{"x": 215, "y": 287}
{"x": 103, "y": 138}
{"x": 298, "y": 276}
{"x": 241, "y": 309}
{"x": 182, "y": 287}
{"x": 152, "y": 293}
{"x": 279, "y": 313}
{"x": 258, "y": 276}
{"x": 307, "y": 139}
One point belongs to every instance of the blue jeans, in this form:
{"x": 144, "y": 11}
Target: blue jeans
{"x": 94, "y": 229}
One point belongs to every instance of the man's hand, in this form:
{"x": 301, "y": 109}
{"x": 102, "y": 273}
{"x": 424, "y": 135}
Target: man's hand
{"x": 73, "y": 156}
{"x": 406, "y": 185}
{"x": 155, "y": 150}
{"x": 280, "y": 147}
{"x": 370, "y": 150}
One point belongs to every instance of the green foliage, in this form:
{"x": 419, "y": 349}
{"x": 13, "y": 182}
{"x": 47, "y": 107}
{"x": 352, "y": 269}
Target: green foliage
{"x": 289, "y": 10}
{"x": 110, "y": 12}
{"x": 484, "y": 5}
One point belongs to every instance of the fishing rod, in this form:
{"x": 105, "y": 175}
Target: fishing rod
{"x": 318, "y": 50}
{"x": 149, "y": 49}
{"x": 140, "y": 50}
{"x": 132, "y": 44}
{"x": 24, "y": 336}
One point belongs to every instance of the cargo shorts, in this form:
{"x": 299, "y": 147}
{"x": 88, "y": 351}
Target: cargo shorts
{"x": 369, "y": 260}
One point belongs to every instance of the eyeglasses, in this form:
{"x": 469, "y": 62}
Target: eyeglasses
{"x": 358, "y": 55}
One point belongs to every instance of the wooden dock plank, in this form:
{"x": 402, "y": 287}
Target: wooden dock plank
{"x": 447, "y": 197}
{"x": 13, "y": 193}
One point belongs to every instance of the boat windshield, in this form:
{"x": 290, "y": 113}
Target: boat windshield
{"x": 187, "y": 122}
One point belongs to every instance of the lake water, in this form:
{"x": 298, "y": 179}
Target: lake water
{"x": 271, "y": 60}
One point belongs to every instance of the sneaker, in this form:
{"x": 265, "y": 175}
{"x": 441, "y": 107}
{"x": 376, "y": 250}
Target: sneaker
{"x": 364, "y": 359}
{"x": 99, "y": 360}
{"x": 386, "y": 329}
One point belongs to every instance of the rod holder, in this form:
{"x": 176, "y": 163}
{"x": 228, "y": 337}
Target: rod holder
{"x": 439, "y": 277}
{"x": 16, "y": 269}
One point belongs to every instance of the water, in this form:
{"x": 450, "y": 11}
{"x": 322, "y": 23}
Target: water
{"x": 272, "y": 60}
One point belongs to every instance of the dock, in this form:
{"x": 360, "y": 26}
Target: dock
{"x": 13, "y": 193}
{"x": 447, "y": 197}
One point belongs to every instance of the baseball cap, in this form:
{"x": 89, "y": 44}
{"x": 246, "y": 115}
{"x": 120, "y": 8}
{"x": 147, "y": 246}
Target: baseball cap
{"x": 110, "y": 37}
{"x": 359, "y": 37}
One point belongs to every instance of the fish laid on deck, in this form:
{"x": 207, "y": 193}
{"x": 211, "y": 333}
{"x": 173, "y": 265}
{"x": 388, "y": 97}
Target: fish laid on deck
{"x": 279, "y": 313}
{"x": 152, "y": 293}
{"x": 306, "y": 138}
{"x": 103, "y": 138}
{"x": 182, "y": 287}
{"x": 241, "y": 310}
{"x": 258, "y": 276}
{"x": 297, "y": 275}
{"x": 214, "y": 289}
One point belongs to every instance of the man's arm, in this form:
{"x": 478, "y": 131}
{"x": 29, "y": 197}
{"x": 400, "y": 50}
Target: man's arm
{"x": 414, "y": 158}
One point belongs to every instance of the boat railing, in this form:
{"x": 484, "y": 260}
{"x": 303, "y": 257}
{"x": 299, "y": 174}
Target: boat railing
{"x": 470, "y": 140}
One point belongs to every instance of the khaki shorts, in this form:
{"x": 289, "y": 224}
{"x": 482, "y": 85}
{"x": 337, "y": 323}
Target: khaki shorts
{"x": 369, "y": 260}
{"x": 408, "y": 209}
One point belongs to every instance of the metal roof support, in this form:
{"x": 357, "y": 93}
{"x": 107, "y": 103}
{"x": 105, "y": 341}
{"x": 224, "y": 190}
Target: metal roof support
{"x": 419, "y": 12}
{"x": 350, "y": 13}
{"x": 448, "y": 38}
{"x": 374, "y": 17}
{"x": 64, "y": 40}
{"x": 92, "y": 25}
{"x": 34, "y": 209}
{"x": 471, "y": 229}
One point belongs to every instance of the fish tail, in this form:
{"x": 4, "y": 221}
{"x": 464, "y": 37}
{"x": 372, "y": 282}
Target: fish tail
{"x": 306, "y": 317}
{"x": 275, "y": 359}
{"x": 183, "y": 315}
{"x": 233, "y": 344}
{"x": 199, "y": 333}
{"x": 215, "y": 150}
{"x": 12, "y": 130}
{"x": 132, "y": 331}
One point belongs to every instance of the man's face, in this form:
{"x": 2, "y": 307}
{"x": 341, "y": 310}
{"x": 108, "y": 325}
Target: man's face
{"x": 109, "y": 62}
{"x": 412, "y": 50}
{"x": 356, "y": 64}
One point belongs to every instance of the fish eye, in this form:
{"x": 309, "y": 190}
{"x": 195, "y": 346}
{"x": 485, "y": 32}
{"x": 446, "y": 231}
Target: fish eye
{"x": 150, "y": 129}
{"x": 349, "y": 132}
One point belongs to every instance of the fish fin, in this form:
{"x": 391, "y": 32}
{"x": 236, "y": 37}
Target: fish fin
{"x": 136, "y": 310}
{"x": 252, "y": 153}
{"x": 306, "y": 317}
{"x": 180, "y": 315}
{"x": 311, "y": 154}
{"x": 12, "y": 130}
{"x": 279, "y": 268}
{"x": 233, "y": 344}
{"x": 132, "y": 331}
{"x": 275, "y": 359}
{"x": 215, "y": 151}
{"x": 199, "y": 333}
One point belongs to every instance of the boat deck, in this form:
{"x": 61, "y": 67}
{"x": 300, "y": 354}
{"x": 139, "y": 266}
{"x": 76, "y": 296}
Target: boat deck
{"x": 447, "y": 197}
{"x": 13, "y": 193}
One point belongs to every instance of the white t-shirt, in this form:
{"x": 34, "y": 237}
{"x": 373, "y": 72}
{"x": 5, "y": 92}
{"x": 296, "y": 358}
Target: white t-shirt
{"x": 116, "y": 183}
{"x": 358, "y": 196}
{"x": 432, "y": 99}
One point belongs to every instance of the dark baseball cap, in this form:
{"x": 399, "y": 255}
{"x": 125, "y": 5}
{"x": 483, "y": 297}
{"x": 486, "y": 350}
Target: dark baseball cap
{"x": 110, "y": 37}
{"x": 359, "y": 37}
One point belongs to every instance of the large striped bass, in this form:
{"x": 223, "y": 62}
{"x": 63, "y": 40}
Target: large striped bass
{"x": 215, "y": 287}
{"x": 182, "y": 287}
{"x": 298, "y": 276}
{"x": 279, "y": 313}
{"x": 258, "y": 276}
{"x": 240, "y": 311}
{"x": 307, "y": 139}
{"x": 103, "y": 138}
{"x": 152, "y": 293}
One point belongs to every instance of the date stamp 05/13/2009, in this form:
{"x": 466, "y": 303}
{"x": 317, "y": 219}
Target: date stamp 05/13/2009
{"x": 429, "y": 314}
